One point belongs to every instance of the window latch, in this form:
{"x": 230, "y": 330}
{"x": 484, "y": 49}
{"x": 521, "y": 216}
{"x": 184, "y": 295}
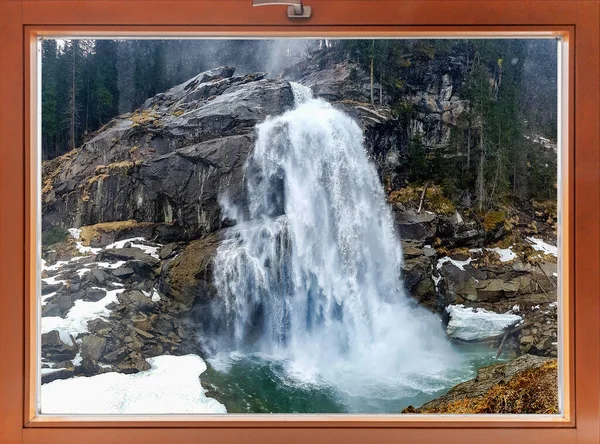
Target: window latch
{"x": 295, "y": 9}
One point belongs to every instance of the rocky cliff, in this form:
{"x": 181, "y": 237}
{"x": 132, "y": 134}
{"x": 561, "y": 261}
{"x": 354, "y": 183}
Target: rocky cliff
{"x": 156, "y": 176}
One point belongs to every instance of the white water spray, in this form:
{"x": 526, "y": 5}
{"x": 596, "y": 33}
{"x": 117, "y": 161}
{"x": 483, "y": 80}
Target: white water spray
{"x": 311, "y": 272}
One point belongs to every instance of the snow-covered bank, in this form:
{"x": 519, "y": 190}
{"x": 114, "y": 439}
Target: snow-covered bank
{"x": 77, "y": 318}
{"x": 471, "y": 324}
{"x": 172, "y": 385}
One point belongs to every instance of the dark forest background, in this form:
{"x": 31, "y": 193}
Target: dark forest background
{"x": 510, "y": 85}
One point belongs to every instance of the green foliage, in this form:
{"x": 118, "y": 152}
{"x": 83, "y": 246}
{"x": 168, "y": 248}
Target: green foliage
{"x": 419, "y": 163}
{"x": 54, "y": 235}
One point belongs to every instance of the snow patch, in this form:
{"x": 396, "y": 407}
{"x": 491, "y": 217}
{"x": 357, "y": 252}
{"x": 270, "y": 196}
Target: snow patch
{"x": 152, "y": 251}
{"x": 506, "y": 254}
{"x": 75, "y": 233}
{"x": 78, "y": 317}
{"x": 109, "y": 265}
{"x": 47, "y": 296}
{"x": 172, "y": 385}
{"x": 457, "y": 263}
{"x": 471, "y": 324}
{"x": 540, "y": 245}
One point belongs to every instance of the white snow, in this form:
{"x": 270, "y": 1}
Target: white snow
{"x": 540, "y": 245}
{"x": 471, "y": 324}
{"x": 47, "y": 296}
{"x": 152, "y": 251}
{"x": 82, "y": 271}
{"x": 61, "y": 264}
{"x": 78, "y": 317}
{"x": 75, "y": 233}
{"x": 77, "y": 359}
{"x": 457, "y": 263}
{"x": 506, "y": 254}
{"x": 109, "y": 265}
{"x": 516, "y": 308}
{"x": 154, "y": 295}
{"x": 172, "y": 385}
{"x": 46, "y": 371}
{"x": 53, "y": 280}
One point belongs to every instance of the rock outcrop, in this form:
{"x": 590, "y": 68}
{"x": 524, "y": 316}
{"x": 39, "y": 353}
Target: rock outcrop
{"x": 168, "y": 162}
{"x": 528, "y": 384}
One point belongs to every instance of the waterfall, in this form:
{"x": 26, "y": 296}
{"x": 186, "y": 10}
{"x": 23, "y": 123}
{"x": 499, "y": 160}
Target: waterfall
{"x": 310, "y": 274}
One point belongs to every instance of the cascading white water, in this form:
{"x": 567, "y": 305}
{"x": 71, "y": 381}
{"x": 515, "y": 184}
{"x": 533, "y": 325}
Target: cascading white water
{"x": 311, "y": 272}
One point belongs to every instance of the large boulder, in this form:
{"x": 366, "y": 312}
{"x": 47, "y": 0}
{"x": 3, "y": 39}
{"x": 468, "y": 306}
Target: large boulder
{"x": 477, "y": 324}
{"x": 188, "y": 276}
{"x": 169, "y": 162}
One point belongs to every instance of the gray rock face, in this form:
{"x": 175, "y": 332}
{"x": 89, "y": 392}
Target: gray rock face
{"x": 55, "y": 349}
{"x": 429, "y": 97}
{"x": 92, "y": 347}
{"x": 169, "y": 162}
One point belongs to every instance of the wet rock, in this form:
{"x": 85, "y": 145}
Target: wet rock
{"x": 98, "y": 326}
{"x": 51, "y": 309}
{"x": 51, "y": 288}
{"x": 64, "y": 303}
{"x": 413, "y": 225}
{"x": 99, "y": 275}
{"x": 141, "y": 365}
{"x": 187, "y": 277}
{"x": 115, "y": 355}
{"x": 123, "y": 272}
{"x": 94, "y": 294}
{"x": 63, "y": 373}
{"x": 136, "y": 300}
{"x": 92, "y": 347}
{"x": 166, "y": 251}
{"x": 141, "y": 322}
{"x": 459, "y": 284}
{"x": 55, "y": 349}
{"x": 126, "y": 254}
{"x": 493, "y": 290}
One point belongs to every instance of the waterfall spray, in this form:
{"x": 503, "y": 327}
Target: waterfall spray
{"x": 310, "y": 274}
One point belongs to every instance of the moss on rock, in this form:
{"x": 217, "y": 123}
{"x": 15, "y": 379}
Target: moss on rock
{"x": 92, "y": 233}
{"x": 435, "y": 200}
{"x": 531, "y": 391}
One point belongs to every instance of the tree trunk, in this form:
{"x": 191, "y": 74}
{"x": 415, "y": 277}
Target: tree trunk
{"x": 381, "y": 88}
{"x": 480, "y": 178}
{"x": 73, "y": 79}
{"x": 469, "y": 147}
{"x": 372, "y": 71}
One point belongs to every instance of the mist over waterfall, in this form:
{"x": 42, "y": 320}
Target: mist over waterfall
{"x": 310, "y": 273}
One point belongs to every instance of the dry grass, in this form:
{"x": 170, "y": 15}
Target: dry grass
{"x": 52, "y": 168}
{"x": 533, "y": 391}
{"x": 124, "y": 167}
{"x": 493, "y": 219}
{"x": 94, "y": 232}
{"x": 145, "y": 118}
{"x": 435, "y": 200}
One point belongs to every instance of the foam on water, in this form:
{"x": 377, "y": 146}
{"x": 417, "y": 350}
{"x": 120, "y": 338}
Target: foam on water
{"x": 311, "y": 272}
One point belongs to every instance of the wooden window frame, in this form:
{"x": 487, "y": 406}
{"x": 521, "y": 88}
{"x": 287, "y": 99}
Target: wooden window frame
{"x": 22, "y": 21}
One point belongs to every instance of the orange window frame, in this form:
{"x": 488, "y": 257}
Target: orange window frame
{"x": 23, "y": 21}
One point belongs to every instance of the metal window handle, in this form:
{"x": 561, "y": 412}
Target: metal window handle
{"x": 295, "y": 9}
